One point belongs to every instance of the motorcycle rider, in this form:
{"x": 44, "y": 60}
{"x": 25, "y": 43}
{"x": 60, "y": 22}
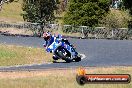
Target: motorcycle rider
{"x": 60, "y": 47}
{"x": 46, "y": 36}
{"x": 49, "y": 39}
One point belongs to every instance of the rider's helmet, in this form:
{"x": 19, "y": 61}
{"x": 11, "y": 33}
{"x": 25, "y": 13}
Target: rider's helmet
{"x": 46, "y": 35}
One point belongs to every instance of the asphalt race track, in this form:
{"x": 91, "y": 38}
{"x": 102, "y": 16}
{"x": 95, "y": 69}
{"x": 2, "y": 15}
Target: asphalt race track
{"x": 97, "y": 52}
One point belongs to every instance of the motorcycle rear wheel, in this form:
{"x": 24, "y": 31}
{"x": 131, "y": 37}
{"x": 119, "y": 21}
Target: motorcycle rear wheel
{"x": 77, "y": 59}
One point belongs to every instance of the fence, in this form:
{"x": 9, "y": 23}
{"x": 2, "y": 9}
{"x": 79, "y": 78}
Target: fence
{"x": 86, "y": 32}
{"x": 33, "y": 26}
{"x": 19, "y": 25}
{"x": 100, "y": 32}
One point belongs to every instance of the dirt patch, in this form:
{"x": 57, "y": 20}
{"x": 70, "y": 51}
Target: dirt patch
{"x": 64, "y": 72}
{"x": 16, "y": 31}
{"x": 28, "y": 74}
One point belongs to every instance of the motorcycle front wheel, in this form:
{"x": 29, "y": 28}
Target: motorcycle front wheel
{"x": 64, "y": 54}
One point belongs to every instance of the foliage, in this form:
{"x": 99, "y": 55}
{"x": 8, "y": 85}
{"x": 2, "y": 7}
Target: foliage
{"x": 116, "y": 19}
{"x": 86, "y": 12}
{"x": 39, "y": 11}
{"x": 128, "y": 5}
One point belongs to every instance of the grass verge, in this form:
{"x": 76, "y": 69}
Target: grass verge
{"x": 59, "y": 78}
{"x": 18, "y": 55}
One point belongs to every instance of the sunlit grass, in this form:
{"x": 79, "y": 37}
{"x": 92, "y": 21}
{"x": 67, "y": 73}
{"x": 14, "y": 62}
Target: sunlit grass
{"x": 18, "y": 55}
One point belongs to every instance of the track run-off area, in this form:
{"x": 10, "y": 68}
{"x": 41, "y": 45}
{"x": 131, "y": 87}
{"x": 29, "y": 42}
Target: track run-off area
{"x": 95, "y": 52}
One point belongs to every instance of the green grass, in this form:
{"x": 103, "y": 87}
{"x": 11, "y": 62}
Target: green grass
{"x": 17, "y": 55}
{"x": 59, "y": 78}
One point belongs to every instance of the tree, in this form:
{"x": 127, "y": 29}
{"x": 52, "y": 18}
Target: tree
{"x": 128, "y": 5}
{"x": 115, "y": 19}
{"x": 86, "y": 12}
{"x": 39, "y": 11}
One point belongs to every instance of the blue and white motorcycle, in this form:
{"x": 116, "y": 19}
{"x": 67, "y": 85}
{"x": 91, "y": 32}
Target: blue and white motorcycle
{"x": 62, "y": 49}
